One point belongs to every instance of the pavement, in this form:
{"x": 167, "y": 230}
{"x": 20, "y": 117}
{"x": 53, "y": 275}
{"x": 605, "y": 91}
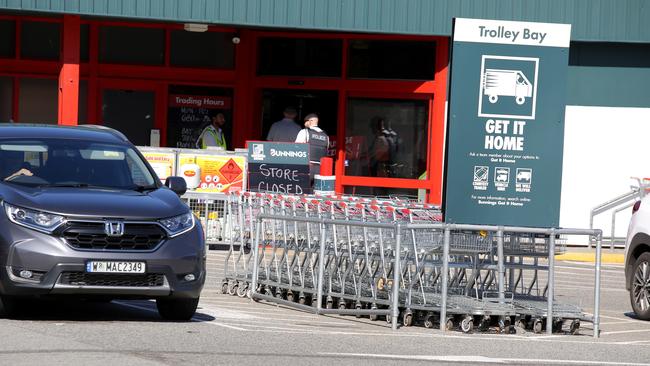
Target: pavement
{"x": 230, "y": 330}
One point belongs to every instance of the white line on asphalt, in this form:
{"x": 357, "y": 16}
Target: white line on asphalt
{"x": 476, "y": 359}
{"x": 619, "y": 322}
{"x": 194, "y": 319}
{"x": 626, "y": 331}
{"x": 591, "y": 269}
{"x": 567, "y": 287}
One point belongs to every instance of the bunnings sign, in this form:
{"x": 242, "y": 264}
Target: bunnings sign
{"x": 506, "y": 122}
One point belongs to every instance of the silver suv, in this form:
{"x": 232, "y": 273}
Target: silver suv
{"x": 85, "y": 215}
{"x": 637, "y": 258}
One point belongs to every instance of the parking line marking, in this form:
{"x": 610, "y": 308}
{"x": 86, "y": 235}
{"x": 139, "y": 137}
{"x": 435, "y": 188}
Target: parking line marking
{"x": 476, "y": 359}
{"x": 194, "y": 319}
{"x": 626, "y": 331}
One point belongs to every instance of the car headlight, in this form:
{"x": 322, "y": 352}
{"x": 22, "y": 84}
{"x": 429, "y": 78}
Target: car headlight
{"x": 37, "y": 220}
{"x": 178, "y": 225}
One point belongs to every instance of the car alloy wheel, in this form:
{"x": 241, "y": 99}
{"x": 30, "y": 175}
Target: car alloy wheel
{"x": 640, "y": 287}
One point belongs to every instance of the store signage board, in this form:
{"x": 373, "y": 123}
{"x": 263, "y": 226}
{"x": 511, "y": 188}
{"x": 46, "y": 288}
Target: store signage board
{"x": 278, "y": 167}
{"x": 188, "y": 115}
{"x": 506, "y": 122}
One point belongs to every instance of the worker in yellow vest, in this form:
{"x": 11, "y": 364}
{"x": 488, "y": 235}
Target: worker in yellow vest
{"x": 213, "y": 135}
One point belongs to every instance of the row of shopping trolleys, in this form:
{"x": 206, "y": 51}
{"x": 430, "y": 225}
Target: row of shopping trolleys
{"x": 380, "y": 256}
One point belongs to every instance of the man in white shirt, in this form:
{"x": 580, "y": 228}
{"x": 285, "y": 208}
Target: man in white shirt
{"x": 213, "y": 135}
{"x": 318, "y": 142}
{"x": 286, "y": 129}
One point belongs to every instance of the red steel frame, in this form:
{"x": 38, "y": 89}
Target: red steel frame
{"x": 243, "y": 79}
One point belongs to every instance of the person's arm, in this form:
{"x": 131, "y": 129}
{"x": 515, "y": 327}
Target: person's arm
{"x": 199, "y": 141}
{"x": 271, "y": 134}
{"x": 302, "y": 136}
{"x": 22, "y": 171}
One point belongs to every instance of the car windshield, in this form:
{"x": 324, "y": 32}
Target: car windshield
{"x": 72, "y": 163}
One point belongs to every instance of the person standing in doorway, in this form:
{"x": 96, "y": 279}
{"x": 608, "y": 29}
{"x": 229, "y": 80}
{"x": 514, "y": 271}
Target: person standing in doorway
{"x": 286, "y": 129}
{"x": 318, "y": 142}
{"x": 212, "y": 135}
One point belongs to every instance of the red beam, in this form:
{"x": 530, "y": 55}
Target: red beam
{"x": 69, "y": 75}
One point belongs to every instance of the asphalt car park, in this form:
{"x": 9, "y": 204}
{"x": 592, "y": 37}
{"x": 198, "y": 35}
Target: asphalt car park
{"x": 228, "y": 330}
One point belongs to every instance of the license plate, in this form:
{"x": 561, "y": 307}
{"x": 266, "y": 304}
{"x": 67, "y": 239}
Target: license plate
{"x": 115, "y": 267}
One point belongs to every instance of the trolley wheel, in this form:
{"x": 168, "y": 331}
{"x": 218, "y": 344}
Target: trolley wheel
{"x": 449, "y": 324}
{"x": 521, "y": 324}
{"x": 389, "y": 319}
{"x": 358, "y": 306}
{"x": 429, "y": 321}
{"x": 290, "y": 296}
{"x": 575, "y": 326}
{"x": 249, "y": 293}
{"x": 278, "y": 293}
{"x": 484, "y": 324}
{"x": 381, "y": 283}
{"x": 407, "y": 318}
{"x": 233, "y": 290}
{"x": 268, "y": 292}
{"x": 467, "y": 324}
{"x": 242, "y": 290}
{"x": 342, "y": 305}
{"x": 493, "y": 98}
{"x": 557, "y": 325}
{"x": 537, "y": 326}
{"x": 302, "y": 299}
{"x": 520, "y": 100}
{"x": 329, "y": 304}
{"x": 504, "y": 325}
{"x": 373, "y": 317}
{"x": 224, "y": 288}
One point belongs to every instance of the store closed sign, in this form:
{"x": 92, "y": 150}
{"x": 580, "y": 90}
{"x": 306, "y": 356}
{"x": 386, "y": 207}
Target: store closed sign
{"x": 278, "y": 167}
{"x": 506, "y": 122}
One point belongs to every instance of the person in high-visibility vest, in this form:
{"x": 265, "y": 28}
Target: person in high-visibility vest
{"x": 213, "y": 135}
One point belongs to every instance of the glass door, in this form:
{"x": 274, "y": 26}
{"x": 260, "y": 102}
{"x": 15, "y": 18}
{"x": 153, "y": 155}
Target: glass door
{"x": 322, "y": 102}
{"x": 129, "y": 110}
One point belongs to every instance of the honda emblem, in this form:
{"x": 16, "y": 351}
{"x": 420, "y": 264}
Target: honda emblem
{"x": 114, "y": 228}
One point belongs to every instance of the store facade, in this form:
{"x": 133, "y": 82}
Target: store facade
{"x": 139, "y": 77}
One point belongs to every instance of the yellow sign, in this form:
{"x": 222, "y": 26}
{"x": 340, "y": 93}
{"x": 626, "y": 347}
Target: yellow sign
{"x": 212, "y": 173}
{"x": 161, "y": 162}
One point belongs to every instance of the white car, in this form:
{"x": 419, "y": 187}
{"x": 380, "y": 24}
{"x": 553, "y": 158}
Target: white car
{"x": 637, "y": 258}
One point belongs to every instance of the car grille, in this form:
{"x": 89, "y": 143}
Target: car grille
{"x": 112, "y": 279}
{"x": 91, "y": 236}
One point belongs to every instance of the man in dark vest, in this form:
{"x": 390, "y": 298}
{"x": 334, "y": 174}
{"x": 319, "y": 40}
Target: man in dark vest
{"x": 318, "y": 142}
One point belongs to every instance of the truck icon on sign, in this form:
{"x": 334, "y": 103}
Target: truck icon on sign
{"x": 510, "y": 83}
{"x": 501, "y": 175}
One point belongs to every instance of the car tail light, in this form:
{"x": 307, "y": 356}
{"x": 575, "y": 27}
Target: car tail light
{"x": 636, "y": 207}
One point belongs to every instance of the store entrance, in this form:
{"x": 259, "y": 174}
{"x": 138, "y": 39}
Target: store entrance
{"x": 322, "y": 102}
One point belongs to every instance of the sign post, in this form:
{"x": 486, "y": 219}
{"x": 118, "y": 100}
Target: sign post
{"x": 506, "y": 122}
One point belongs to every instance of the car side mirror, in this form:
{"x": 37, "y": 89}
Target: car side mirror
{"x": 176, "y": 184}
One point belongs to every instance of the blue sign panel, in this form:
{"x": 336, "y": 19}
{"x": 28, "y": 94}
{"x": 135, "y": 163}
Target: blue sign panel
{"x": 506, "y": 123}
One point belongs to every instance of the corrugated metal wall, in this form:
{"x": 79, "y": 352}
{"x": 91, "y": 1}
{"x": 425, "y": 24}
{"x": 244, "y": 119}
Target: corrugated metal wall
{"x": 604, "y": 20}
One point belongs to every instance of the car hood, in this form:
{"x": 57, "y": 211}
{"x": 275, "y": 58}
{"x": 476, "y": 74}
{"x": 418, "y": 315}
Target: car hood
{"x": 114, "y": 203}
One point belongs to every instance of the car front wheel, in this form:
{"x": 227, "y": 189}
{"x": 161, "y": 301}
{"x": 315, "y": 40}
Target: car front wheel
{"x": 640, "y": 287}
{"x": 177, "y": 309}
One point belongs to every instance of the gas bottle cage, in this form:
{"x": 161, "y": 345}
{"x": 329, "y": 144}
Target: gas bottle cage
{"x": 395, "y": 260}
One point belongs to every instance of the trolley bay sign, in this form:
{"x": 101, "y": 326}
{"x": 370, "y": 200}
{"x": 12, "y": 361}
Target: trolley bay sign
{"x": 506, "y": 122}
{"x": 278, "y": 167}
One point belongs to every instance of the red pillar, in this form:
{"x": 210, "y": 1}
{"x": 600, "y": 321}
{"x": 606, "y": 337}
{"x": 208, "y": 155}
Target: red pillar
{"x": 69, "y": 75}
{"x": 437, "y": 135}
